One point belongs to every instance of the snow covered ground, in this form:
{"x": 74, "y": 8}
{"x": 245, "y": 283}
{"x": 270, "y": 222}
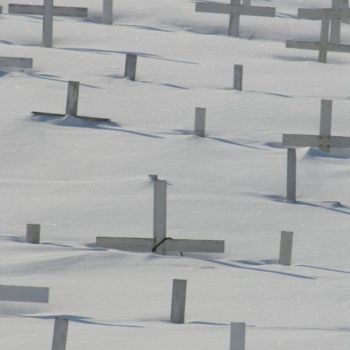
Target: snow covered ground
{"x": 84, "y": 181}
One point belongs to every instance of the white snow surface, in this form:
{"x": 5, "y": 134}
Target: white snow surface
{"x": 80, "y": 180}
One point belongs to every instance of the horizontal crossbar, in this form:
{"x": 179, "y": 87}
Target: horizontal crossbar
{"x": 39, "y": 10}
{"x": 314, "y": 45}
{"x": 58, "y": 115}
{"x": 295, "y": 140}
{"x": 24, "y": 294}
{"x": 17, "y": 62}
{"x": 318, "y": 14}
{"x": 171, "y": 245}
{"x": 214, "y": 7}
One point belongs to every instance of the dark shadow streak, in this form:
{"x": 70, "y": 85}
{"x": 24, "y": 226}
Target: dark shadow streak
{"x": 146, "y": 27}
{"x": 81, "y": 319}
{"x": 280, "y": 199}
{"x": 140, "y": 54}
{"x": 324, "y": 269}
{"x": 269, "y": 93}
{"x": 233, "y": 143}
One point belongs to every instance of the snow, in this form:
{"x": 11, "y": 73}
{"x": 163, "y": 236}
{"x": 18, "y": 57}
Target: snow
{"x": 85, "y": 180}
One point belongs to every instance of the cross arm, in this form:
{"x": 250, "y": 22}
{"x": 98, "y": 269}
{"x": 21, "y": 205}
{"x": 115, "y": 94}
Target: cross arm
{"x": 308, "y": 45}
{"x": 194, "y": 246}
{"x": 261, "y": 11}
{"x": 318, "y": 14}
{"x": 215, "y": 7}
{"x": 39, "y": 10}
{"x": 24, "y": 294}
{"x": 294, "y": 140}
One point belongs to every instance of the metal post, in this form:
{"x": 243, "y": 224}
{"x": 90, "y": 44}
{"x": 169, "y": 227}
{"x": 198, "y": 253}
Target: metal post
{"x": 237, "y": 336}
{"x": 286, "y": 247}
{"x": 130, "y": 66}
{"x": 238, "y": 77}
{"x": 107, "y": 11}
{"x": 178, "y": 301}
{"x": 322, "y": 57}
{"x": 199, "y": 122}
{"x": 60, "y": 334}
{"x": 291, "y": 174}
{"x": 33, "y": 233}
{"x": 72, "y": 98}
{"x": 48, "y": 23}
{"x": 159, "y": 214}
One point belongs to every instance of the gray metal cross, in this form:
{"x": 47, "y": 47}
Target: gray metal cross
{"x": 160, "y": 243}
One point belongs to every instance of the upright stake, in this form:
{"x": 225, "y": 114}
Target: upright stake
{"x": 48, "y": 23}
{"x": 322, "y": 57}
{"x": 178, "y": 301}
{"x": 107, "y": 11}
{"x": 130, "y": 66}
{"x": 199, "y": 122}
{"x": 238, "y": 77}
{"x": 233, "y": 28}
{"x": 237, "y": 336}
{"x": 72, "y": 98}
{"x": 159, "y": 214}
{"x": 326, "y": 123}
{"x": 33, "y": 233}
{"x": 336, "y": 22}
{"x": 60, "y": 334}
{"x": 291, "y": 174}
{"x": 286, "y": 247}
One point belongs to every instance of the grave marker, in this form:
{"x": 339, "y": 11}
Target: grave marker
{"x": 199, "y": 122}
{"x": 16, "y": 62}
{"x": 160, "y": 243}
{"x": 33, "y": 234}
{"x": 237, "y": 341}
{"x": 324, "y": 141}
{"x": 71, "y": 106}
{"x": 238, "y": 77}
{"x": 24, "y": 294}
{"x": 130, "y": 66}
{"x": 48, "y": 11}
{"x": 60, "y": 333}
{"x": 286, "y": 246}
{"x": 235, "y": 10}
{"x": 108, "y": 12}
{"x": 326, "y": 43}
{"x": 178, "y": 301}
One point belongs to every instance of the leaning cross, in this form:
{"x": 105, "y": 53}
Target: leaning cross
{"x": 48, "y": 11}
{"x": 235, "y": 10}
{"x": 324, "y": 141}
{"x": 160, "y": 243}
{"x": 325, "y": 44}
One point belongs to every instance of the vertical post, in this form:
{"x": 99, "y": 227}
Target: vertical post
{"x": 336, "y": 22}
{"x": 199, "y": 122}
{"x": 107, "y": 11}
{"x": 60, "y": 334}
{"x": 345, "y": 6}
{"x": 237, "y": 336}
{"x": 33, "y": 233}
{"x": 291, "y": 174}
{"x": 247, "y": 2}
{"x": 48, "y": 23}
{"x": 325, "y": 123}
{"x": 238, "y": 77}
{"x": 233, "y": 28}
{"x": 178, "y": 301}
{"x": 159, "y": 214}
{"x": 322, "y": 57}
{"x": 130, "y": 66}
{"x": 153, "y": 177}
{"x": 286, "y": 247}
{"x": 72, "y": 98}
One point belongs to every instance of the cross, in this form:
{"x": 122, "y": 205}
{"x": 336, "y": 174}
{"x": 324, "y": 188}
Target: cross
{"x": 325, "y": 44}
{"x": 235, "y": 10}
{"x": 48, "y": 11}
{"x": 324, "y": 141}
{"x": 336, "y": 22}
{"x": 24, "y": 294}
{"x": 160, "y": 243}
{"x": 16, "y": 62}
{"x": 71, "y": 105}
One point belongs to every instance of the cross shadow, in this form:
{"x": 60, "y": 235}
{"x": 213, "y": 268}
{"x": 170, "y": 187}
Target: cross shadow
{"x": 281, "y": 199}
{"x": 82, "y": 319}
{"x": 147, "y": 28}
{"x": 270, "y": 93}
{"x": 324, "y": 269}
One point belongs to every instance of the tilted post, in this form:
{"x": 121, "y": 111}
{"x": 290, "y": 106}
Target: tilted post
{"x": 324, "y": 38}
{"x": 237, "y": 341}
{"x": 159, "y": 215}
{"x": 233, "y": 28}
{"x": 72, "y": 98}
{"x": 59, "y": 340}
{"x": 33, "y": 233}
{"x": 48, "y": 23}
{"x": 238, "y": 77}
{"x": 199, "y": 122}
{"x": 325, "y": 123}
{"x": 286, "y": 247}
{"x": 178, "y": 301}
{"x": 291, "y": 174}
{"x": 130, "y": 66}
{"x": 108, "y": 12}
